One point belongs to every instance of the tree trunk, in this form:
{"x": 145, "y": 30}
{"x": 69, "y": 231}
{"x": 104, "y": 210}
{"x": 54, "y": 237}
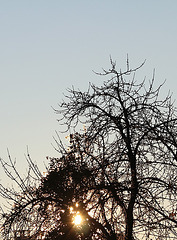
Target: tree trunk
{"x": 134, "y": 191}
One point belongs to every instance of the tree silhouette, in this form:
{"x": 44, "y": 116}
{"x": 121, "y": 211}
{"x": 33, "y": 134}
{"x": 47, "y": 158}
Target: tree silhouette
{"x": 121, "y": 171}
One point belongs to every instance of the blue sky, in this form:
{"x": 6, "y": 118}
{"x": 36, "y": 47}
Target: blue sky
{"x": 48, "y": 46}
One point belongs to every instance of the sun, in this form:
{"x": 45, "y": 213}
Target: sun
{"x": 77, "y": 219}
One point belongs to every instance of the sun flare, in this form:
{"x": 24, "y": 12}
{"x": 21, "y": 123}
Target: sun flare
{"x": 77, "y": 219}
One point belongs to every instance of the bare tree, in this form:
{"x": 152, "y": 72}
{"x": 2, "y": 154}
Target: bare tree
{"x": 134, "y": 144}
{"x": 119, "y": 173}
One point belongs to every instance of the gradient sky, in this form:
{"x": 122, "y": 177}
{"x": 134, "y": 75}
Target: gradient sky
{"x": 48, "y": 46}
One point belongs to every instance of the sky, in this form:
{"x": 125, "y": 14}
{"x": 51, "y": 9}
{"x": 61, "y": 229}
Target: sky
{"x": 49, "y": 46}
